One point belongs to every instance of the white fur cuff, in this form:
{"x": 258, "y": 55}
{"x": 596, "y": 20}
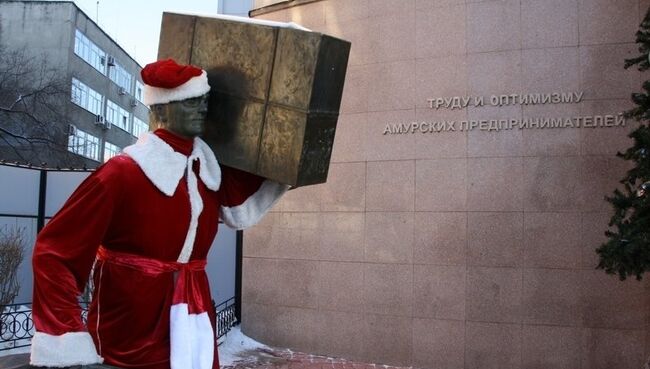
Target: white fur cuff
{"x": 253, "y": 209}
{"x": 73, "y": 348}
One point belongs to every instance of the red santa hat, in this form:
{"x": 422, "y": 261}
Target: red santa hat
{"x": 166, "y": 81}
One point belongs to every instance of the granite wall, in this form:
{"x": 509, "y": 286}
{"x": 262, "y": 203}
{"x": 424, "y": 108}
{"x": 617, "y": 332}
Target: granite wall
{"x": 464, "y": 248}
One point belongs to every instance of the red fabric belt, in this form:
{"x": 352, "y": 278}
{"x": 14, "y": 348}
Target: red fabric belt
{"x": 148, "y": 265}
{"x": 189, "y": 287}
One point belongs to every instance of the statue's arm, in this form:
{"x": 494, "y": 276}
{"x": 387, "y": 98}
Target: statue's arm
{"x": 63, "y": 256}
{"x": 246, "y": 198}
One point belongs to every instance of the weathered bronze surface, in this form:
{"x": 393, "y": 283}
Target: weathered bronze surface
{"x": 275, "y": 95}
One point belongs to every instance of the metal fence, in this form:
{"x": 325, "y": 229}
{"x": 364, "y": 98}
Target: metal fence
{"x": 17, "y": 325}
{"x": 226, "y": 316}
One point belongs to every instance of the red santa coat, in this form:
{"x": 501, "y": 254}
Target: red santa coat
{"x": 149, "y": 222}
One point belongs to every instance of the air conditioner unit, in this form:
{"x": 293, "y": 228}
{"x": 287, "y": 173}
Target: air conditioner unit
{"x": 72, "y": 130}
{"x": 134, "y": 103}
{"x": 107, "y": 124}
{"x": 111, "y": 61}
{"x": 99, "y": 120}
{"x": 122, "y": 91}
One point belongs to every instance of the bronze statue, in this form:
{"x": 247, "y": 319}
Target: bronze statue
{"x": 147, "y": 219}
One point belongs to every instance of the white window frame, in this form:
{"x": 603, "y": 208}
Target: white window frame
{"x": 120, "y": 77}
{"x": 139, "y": 91}
{"x": 89, "y": 52}
{"x": 86, "y": 97}
{"x": 78, "y": 93}
{"x": 139, "y": 127}
{"x": 110, "y": 150}
{"x": 112, "y": 112}
{"x": 84, "y": 144}
{"x": 117, "y": 115}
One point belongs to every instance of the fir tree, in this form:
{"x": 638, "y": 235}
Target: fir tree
{"x": 627, "y": 250}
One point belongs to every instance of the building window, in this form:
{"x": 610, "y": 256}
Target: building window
{"x": 79, "y": 92}
{"x": 125, "y": 117}
{"x": 84, "y": 144}
{"x": 117, "y": 115}
{"x": 112, "y": 112}
{"x": 139, "y": 127}
{"x": 88, "y": 51}
{"x": 110, "y": 150}
{"x": 120, "y": 76}
{"x": 139, "y": 91}
{"x": 86, "y": 97}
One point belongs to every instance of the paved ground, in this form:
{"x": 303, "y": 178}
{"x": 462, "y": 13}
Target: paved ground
{"x": 254, "y": 359}
{"x": 287, "y": 359}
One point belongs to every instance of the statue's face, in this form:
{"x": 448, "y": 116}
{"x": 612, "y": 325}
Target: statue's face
{"x": 187, "y": 117}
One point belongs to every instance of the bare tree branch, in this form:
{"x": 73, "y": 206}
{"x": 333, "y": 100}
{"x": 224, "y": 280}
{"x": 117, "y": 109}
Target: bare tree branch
{"x": 13, "y": 148}
{"x": 33, "y": 98}
{"x": 12, "y": 252}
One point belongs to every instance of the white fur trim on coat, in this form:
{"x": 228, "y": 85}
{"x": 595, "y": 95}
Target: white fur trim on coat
{"x": 253, "y": 209}
{"x": 192, "y": 339}
{"x": 196, "y": 207}
{"x": 194, "y": 87}
{"x": 72, "y": 348}
{"x": 165, "y": 167}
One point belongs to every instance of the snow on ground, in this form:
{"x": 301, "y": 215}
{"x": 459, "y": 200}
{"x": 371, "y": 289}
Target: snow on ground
{"x": 20, "y": 350}
{"x": 237, "y": 347}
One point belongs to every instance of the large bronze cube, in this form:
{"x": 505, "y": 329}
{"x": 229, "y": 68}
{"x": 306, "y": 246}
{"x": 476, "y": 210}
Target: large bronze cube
{"x": 275, "y": 95}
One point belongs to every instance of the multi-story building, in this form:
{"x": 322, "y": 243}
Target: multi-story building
{"x": 103, "y": 112}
